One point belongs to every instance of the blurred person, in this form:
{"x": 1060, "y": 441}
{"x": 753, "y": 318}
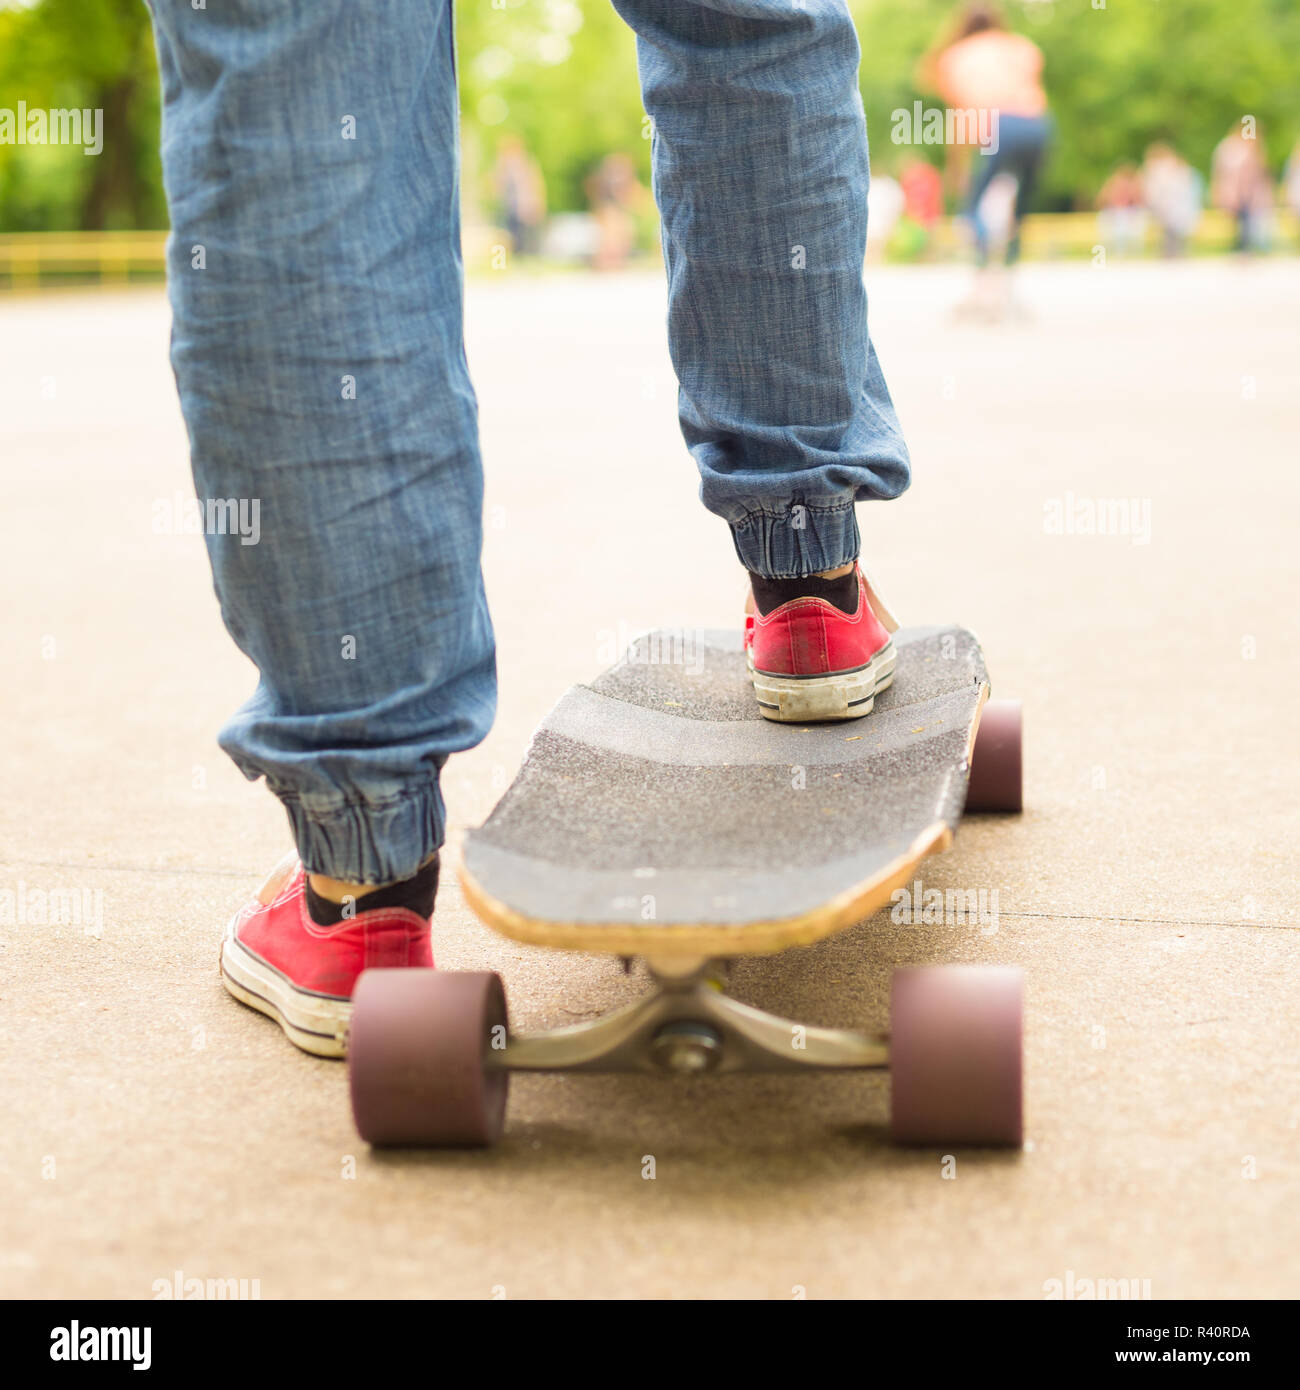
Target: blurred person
{"x": 617, "y": 197}
{"x": 1172, "y": 193}
{"x": 987, "y": 69}
{"x": 1240, "y": 185}
{"x": 521, "y": 195}
{"x": 318, "y": 349}
{"x": 1121, "y": 212}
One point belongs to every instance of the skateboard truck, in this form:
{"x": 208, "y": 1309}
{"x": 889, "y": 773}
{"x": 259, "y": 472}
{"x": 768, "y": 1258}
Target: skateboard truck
{"x": 430, "y": 1051}
{"x": 687, "y": 1025}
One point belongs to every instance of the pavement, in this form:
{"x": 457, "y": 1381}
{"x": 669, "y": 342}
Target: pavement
{"x": 153, "y": 1126}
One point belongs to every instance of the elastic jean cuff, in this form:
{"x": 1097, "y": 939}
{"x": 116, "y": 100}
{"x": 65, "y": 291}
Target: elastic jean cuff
{"x": 368, "y": 841}
{"x": 796, "y": 542}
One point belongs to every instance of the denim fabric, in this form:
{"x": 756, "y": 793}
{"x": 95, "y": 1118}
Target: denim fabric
{"x": 319, "y": 357}
{"x": 311, "y": 167}
{"x": 760, "y": 173}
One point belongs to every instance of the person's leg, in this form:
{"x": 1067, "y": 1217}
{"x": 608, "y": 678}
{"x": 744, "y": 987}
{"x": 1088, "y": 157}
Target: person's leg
{"x": 1029, "y": 146}
{"x": 985, "y": 169}
{"x": 310, "y": 161}
{"x": 1241, "y": 216}
{"x": 760, "y": 173}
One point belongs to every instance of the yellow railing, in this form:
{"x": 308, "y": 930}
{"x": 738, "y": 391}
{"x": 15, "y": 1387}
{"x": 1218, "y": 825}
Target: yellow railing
{"x": 32, "y": 260}
{"x": 1050, "y": 236}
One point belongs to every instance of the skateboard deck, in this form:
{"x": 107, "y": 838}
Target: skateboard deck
{"x": 658, "y": 813}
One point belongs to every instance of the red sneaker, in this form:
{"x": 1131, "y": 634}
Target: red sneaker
{"x": 277, "y": 960}
{"x": 810, "y": 660}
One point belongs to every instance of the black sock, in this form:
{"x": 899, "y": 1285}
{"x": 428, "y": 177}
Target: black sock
{"x": 417, "y": 894}
{"x": 772, "y": 593}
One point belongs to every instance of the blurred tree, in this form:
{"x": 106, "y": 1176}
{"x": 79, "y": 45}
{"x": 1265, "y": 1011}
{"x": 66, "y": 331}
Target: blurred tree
{"x": 95, "y": 54}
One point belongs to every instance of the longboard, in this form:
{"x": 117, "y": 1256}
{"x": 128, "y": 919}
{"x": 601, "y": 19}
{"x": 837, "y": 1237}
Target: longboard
{"x": 658, "y": 813}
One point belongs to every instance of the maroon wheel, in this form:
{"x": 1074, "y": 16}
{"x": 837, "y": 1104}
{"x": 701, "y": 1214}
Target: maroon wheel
{"x": 996, "y": 783}
{"x": 955, "y": 1054}
{"x": 417, "y": 1050}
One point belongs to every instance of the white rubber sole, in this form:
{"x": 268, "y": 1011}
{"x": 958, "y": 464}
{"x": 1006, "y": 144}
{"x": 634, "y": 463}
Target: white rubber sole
{"x": 845, "y": 695}
{"x": 317, "y": 1023}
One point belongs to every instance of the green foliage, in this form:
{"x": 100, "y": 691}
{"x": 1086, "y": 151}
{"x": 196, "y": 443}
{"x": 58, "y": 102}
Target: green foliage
{"x": 561, "y": 74}
{"x": 95, "y": 54}
{"x": 569, "y": 113}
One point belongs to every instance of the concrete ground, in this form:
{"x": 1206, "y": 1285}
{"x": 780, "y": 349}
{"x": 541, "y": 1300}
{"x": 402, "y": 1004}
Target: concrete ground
{"x": 151, "y": 1125}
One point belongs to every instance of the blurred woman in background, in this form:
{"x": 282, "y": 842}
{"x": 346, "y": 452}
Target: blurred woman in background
{"x": 987, "y": 69}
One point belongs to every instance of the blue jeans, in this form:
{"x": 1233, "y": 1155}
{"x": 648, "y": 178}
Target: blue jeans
{"x": 310, "y": 156}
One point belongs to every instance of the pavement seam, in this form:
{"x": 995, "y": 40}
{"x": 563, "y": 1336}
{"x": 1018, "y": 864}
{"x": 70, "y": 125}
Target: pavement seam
{"x": 1013, "y": 916}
